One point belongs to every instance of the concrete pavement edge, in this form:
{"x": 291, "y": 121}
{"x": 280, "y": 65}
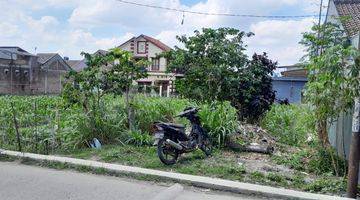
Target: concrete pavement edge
{"x": 200, "y": 181}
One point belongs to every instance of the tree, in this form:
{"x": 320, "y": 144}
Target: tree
{"x": 333, "y": 77}
{"x": 254, "y": 94}
{"x": 215, "y": 67}
{"x": 113, "y": 73}
{"x": 331, "y": 35}
{"x": 86, "y": 88}
{"x": 125, "y": 70}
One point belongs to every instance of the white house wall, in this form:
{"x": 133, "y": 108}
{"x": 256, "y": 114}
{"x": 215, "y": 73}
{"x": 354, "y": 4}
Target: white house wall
{"x": 333, "y": 15}
{"x": 356, "y": 41}
{"x": 152, "y": 52}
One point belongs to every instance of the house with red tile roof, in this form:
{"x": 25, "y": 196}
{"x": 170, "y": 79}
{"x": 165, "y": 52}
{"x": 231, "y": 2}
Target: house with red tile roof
{"x": 146, "y": 47}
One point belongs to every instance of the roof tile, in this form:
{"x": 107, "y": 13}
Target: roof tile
{"x": 350, "y": 8}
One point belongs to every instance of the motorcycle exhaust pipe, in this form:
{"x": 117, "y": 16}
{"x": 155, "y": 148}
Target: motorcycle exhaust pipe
{"x": 174, "y": 144}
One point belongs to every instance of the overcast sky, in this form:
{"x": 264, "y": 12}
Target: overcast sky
{"x": 71, "y": 26}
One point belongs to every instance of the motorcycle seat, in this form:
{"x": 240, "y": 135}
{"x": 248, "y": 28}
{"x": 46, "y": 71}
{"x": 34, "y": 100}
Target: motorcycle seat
{"x": 176, "y": 125}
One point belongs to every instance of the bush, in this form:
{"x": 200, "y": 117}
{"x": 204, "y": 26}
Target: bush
{"x": 324, "y": 160}
{"x": 317, "y": 160}
{"x": 290, "y": 124}
{"x": 55, "y": 125}
{"x": 45, "y": 122}
{"x": 151, "y": 109}
{"x": 138, "y": 139}
{"x": 220, "y": 120}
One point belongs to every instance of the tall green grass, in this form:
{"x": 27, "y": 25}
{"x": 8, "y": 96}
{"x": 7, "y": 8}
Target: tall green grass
{"x": 220, "y": 119}
{"x": 290, "y": 124}
{"x": 46, "y": 123}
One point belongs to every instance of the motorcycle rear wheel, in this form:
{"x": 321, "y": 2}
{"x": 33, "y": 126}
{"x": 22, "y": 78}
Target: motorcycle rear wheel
{"x": 167, "y": 154}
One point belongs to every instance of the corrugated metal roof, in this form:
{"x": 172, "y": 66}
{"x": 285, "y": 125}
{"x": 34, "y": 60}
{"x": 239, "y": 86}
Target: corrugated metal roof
{"x": 44, "y": 57}
{"x": 301, "y": 79}
{"x": 5, "y": 55}
{"x": 15, "y": 50}
{"x": 77, "y": 65}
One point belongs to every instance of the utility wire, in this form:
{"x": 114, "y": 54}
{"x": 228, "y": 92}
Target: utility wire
{"x": 217, "y": 14}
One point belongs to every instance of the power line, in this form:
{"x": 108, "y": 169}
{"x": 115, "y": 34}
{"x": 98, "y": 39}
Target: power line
{"x": 217, "y": 14}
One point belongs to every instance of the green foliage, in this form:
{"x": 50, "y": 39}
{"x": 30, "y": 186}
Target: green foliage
{"x": 220, "y": 120}
{"x": 112, "y": 73}
{"x": 297, "y": 160}
{"x": 326, "y": 161}
{"x": 151, "y": 109}
{"x": 124, "y": 70}
{"x": 334, "y": 78}
{"x": 327, "y": 185}
{"x": 253, "y": 94}
{"x": 257, "y": 176}
{"x": 85, "y": 88}
{"x": 215, "y": 67}
{"x": 47, "y": 123}
{"x": 290, "y": 124}
{"x": 318, "y": 161}
{"x": 56, "y": 125}
{"x": 276, "y": 178}
{"x": 208, "y": 57}
{"x": 332, "y": 88}
{"x": 331, "y": 35}
{"x": 139, "y": 139}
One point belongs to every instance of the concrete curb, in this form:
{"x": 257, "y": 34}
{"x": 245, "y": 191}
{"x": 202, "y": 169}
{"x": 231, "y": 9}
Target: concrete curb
{"x": 211, "y": 183}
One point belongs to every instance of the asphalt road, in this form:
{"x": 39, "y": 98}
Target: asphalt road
{"x": 19, "y": 182}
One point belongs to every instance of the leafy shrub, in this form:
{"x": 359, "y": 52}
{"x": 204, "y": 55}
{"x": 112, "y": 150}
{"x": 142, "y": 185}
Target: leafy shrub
{"x": 323, "y": 161}
{"x": 290, "y": 124}
{"x": 317, "y": 160}
{"x": 151, "y": 109}
{"x": 138, "y": 139}
{"x": 54, "y": 124}
{"x": 215, "y": 67}
{"x": 220, "y": 120}
{"x": 44, "y": 121}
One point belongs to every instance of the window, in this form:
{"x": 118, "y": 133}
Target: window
{"x": 141, "y": 47}
{"x": 155, "y": 64}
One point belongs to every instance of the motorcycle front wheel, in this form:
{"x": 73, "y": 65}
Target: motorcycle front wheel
{"x": 167, "y": 154}
{"x": 206, "y": 146}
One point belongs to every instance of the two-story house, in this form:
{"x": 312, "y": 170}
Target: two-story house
{"x": 150, "y": 48}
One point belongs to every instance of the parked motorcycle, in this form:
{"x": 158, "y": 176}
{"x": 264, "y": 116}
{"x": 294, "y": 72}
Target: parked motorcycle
{"x": 172, "y": 141}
